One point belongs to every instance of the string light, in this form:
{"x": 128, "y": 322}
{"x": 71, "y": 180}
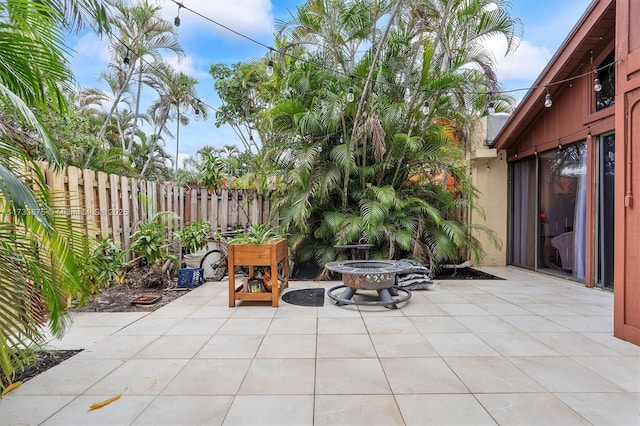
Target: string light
{"x": 568, "y": 136}
{"x": 269, "y": 69}
{"x": 597, "y": 86}
{"x": 491, "y": 108}
{"x": 176, "y": 21}
{"x": 547, "y": 99}
{"x": 589, "y": 132}
{"x": 535, "y": 150}
{"x": 197, "y": 111}
{"x": 350, "y": 96}
{"x": 390, "y": 84}
{"x": 425, "y": 108}
{"x": 407, "y": 94}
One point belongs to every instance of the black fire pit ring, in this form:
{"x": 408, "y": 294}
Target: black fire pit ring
{"x": 379, "y": 275}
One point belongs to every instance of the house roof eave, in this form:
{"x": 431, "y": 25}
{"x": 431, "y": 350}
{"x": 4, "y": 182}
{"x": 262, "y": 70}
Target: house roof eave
{"x": 565, "y": 59}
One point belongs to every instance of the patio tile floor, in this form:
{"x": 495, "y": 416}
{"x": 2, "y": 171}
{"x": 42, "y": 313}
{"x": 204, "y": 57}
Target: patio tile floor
{"x": 527, "y": 350}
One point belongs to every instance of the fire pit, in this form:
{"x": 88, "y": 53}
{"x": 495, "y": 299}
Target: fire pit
{"x": 379, "y": 275}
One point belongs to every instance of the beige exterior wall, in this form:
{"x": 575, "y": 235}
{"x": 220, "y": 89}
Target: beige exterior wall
{"x": 489, "y": 176}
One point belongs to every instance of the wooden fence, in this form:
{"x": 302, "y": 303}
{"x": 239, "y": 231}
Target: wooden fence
{"x": 112, "y": 205}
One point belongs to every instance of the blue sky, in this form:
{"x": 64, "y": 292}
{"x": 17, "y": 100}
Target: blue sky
{"x": 545, "y": 25}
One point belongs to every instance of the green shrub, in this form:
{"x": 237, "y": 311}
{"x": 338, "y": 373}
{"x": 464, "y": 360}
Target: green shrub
{"x": 194, "y": 236}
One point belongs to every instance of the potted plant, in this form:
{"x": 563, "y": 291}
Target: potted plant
{"x": 193, "y": 238}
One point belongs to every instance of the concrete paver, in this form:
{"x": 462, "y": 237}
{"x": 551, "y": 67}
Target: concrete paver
{"x": 530, "y": 349}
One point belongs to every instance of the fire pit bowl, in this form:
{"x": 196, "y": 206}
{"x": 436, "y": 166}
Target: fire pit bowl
{"x": 379, "y": 275}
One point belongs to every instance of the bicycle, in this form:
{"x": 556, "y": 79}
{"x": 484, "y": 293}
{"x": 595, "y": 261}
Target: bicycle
{"x": 214, "y": 261}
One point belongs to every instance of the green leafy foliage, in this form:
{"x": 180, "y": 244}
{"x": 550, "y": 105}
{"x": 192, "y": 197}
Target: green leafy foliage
{"x": 379, "y": 168}
{"x": 256, "y": 234}
{"x": 150, "y": 242}
{"x": 104, "y": 265}
{"x": 194, "y": 236}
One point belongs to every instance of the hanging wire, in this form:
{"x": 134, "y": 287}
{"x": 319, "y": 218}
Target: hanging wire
{"x": 271, "y": 49}
{"x": 389, "y": 84}
{"x": 155, "y": 68}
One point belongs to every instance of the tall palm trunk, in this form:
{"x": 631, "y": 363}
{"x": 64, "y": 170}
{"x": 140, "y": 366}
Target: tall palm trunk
{"x": 135, "y": 117}
{"x": 363, "y": 100}
{"x": 112, "y": 110}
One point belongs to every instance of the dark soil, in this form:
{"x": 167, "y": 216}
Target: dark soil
{"x": 143, "y": 280}
{"x": 43, "y": 361}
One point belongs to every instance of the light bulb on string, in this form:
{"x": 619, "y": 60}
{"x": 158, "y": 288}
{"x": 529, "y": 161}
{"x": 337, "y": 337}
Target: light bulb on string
{"x": 126, "y": 62}
{"x": 491, "y": 108}
{"x": 176, "y": 21}
{"x": 425, "y": 108}
{"x": 198, "y": 114}
{"x": 269, "y": 69}
{"x": 547, "y": 99}
{"x": 350, "y": 96}
{"x": 597, "y": 86}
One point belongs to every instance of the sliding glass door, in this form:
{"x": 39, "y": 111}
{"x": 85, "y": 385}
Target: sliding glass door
{"x": 605, "y": 155}
{"x": 548, "y": 211}
{"x": 563, "y": 202}
{"x": 523, "y": 200}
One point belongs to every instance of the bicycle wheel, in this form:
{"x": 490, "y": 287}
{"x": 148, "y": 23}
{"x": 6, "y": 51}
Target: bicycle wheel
{"x": 214, "y": 263}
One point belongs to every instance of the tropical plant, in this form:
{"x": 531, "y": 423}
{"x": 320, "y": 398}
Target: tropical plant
{"x": 256, "y": 234}
{"x": 38, "y": 267}
{"x": 237, "y": 87}
{"x": 146, "y": 35}
{"x": 377, "y": 167}
{"x": 193, "y": 236}
{"x": 149, "y": 242}
{"x": 178, "y": 100}
{"x": 104, "y": 265}
{"x": 210, "y": 170}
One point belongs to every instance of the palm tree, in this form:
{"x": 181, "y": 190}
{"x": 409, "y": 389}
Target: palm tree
{"x": 140, "y": 36}
{"x": 178, "y": 100}
{"x": 38, "y": 268}
{"x": 147, "y": 36}
{"x": 374, "y": 168}
{"x": 150, "y": 159}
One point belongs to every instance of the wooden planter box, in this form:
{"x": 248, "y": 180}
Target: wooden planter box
{"x": 251, "y": 255}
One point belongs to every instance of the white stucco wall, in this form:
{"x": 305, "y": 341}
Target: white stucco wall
{"x": 489, "y": 176}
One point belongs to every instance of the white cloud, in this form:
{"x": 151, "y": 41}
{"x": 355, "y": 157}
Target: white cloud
{"x": 248, "y": 17}
{"x": 525, "y": 63}
{"x": 90, "y": 48}
{"x": 182, "y": 64}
